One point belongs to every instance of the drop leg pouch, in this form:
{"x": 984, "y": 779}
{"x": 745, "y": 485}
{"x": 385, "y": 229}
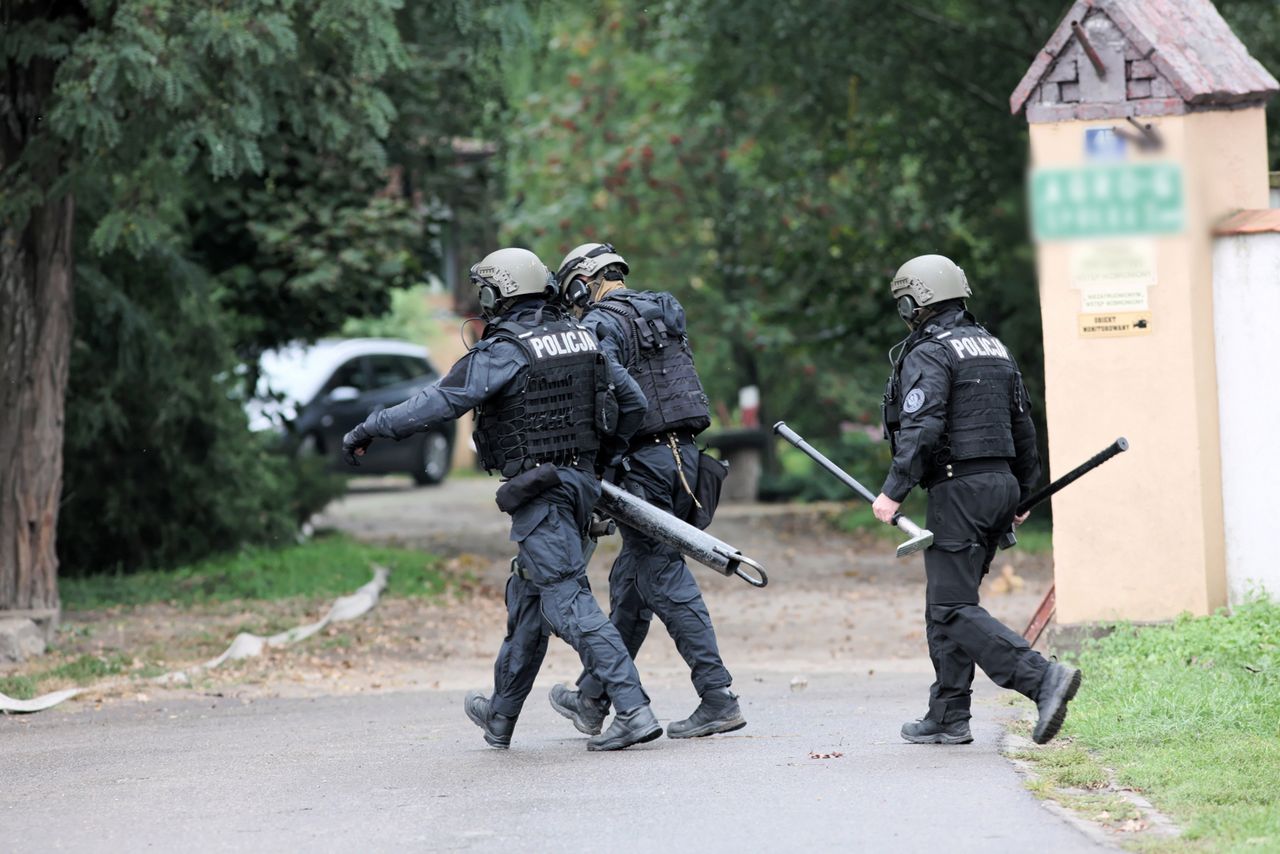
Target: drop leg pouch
{"x": 711, "y": 475}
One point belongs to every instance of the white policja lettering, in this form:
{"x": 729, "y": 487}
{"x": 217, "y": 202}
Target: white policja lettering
{"x": 563, "y": 343}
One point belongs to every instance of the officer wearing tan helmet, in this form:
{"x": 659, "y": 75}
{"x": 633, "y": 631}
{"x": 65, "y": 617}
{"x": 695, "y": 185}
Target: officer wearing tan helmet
{"x": 645, "y": 332}
{"x": 957, "y": 416}
{"x": 531, "y": 352}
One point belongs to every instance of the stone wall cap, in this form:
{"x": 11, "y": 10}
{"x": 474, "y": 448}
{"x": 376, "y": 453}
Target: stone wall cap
{"x": 1186, "y": 40}
{"x": 1250, "y": 222}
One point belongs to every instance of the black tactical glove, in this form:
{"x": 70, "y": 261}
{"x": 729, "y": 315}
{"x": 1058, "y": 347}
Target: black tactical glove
{"x": 357, "y": 440}
{"x": 609, "y": 460}
{"x": 601, "y": 526}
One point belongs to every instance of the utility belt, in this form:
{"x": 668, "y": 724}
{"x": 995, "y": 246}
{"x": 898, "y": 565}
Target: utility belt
{"x": 960, "y": 468}
{"x": 665, "y": 437}
{"x": 708, "y": 474}
{"x": 583, "y": 461}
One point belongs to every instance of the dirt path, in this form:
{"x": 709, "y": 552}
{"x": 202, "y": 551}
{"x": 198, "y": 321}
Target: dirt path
{"x": 835, "y": 602}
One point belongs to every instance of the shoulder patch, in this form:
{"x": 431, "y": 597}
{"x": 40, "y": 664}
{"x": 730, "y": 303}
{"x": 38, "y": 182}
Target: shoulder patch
{"x": 915, "y": 400}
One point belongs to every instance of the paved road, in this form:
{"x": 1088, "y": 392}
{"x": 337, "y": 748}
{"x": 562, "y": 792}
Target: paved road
{"x": 408, "y": 771}
{"x": 402, "y": 768}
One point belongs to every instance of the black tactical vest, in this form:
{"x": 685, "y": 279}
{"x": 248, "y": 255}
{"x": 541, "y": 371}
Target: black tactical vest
{"x": 549, "y": 416}
{"x": 661, "y": 363}
{"x": 986, "y": 388}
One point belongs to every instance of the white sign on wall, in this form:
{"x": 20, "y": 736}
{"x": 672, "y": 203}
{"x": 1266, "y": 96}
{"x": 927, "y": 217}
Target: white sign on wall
{"x": 1129, "y": 263}
{"x": 1113, "y": 275}
{"x": 1103, "y": 298}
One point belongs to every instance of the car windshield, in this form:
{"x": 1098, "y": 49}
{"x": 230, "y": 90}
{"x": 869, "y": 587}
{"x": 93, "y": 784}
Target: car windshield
{"x": 294, "y": 373}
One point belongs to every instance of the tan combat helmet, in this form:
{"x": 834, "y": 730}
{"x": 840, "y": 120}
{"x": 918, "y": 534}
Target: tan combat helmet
{"x": 579, "y": 277}
{"x": 924, "y": 281}
{"x": 510, "y": 273}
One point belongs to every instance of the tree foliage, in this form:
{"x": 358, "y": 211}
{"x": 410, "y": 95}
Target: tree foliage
{"x": 159, "y": 466}
{"x": 246, "y": 173}
{"x": 773, "y": 163}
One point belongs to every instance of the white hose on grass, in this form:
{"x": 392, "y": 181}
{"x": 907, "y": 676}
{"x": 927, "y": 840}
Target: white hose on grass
{"x": 245, "y": 645}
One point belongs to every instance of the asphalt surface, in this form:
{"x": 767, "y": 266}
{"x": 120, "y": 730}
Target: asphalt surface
{"x": 820, "y": 766}
{"x": 401, "y": 771}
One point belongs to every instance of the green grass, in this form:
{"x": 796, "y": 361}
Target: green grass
{"x": 329, "y": 565}
{"x": 1188, "y": 713}
{"x": 1070, "y": 766}
{"x": 325, "y": 567}
{"x": 1073, "y": 776}
{"x": 18, "y": 687}
{"x": 82, "y": 671}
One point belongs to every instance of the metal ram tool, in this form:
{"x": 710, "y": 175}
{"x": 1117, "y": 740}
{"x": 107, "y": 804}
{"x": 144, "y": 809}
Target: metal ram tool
{"x": 636, "y": 513}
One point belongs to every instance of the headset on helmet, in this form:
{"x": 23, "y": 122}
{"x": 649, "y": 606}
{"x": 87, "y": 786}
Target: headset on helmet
{"x": 587, "y": 259}
{"x": 509, "y": 273}
{"x": 927, "y": 280}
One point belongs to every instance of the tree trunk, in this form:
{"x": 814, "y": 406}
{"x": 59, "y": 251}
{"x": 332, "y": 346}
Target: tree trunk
{"x": 35, "y": 349}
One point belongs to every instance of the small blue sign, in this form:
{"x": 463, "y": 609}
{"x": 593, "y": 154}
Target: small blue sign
{"x": 1103, "y": 144}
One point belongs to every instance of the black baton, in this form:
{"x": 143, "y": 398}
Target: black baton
{"x": 1042, "y": 494}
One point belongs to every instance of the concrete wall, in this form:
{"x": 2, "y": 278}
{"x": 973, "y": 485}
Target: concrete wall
{"x": 1246, "y": 289}
{"x": 1142, "y": 537}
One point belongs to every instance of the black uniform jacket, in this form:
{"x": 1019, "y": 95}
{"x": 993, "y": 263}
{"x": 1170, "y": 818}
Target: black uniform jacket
{"x": 483, "y": 373}
{"x": 926, "y": 369}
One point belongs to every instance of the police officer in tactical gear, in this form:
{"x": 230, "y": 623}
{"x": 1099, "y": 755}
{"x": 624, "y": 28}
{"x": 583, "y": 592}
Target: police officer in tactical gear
{"x": 544, "y": 393}
{"x": 645, "y": 332}
{"x": 957, "y": 415}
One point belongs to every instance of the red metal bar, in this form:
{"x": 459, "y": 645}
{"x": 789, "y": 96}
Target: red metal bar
{"x": 1043, "y": 615}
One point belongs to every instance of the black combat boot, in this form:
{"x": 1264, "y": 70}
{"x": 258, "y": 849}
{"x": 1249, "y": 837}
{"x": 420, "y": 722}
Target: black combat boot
{"x": 929, "y": 731}
{"x": 718, "y": 712}
{"x": 587, "y": 714}
{"x": 1059, "y": 685}
{"x": 497, "y": 728}
{"x": 634, "y": 727}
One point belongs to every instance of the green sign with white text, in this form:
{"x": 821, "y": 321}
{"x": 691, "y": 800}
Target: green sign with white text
{"x": 1107, "y": 201}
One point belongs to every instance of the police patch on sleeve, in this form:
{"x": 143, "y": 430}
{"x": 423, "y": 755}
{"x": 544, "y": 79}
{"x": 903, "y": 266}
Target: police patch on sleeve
{"x": 915, "y": 400}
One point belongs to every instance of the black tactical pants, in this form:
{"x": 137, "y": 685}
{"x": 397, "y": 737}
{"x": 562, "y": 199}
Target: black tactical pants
{"x": 967, "y": 516}
{"x": 555, "y": 598}
{"x": 649, "y": 577}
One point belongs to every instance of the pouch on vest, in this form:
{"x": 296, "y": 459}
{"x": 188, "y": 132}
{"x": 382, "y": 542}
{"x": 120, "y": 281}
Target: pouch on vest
{"x": 518, "y": 491}
{"x": 890, "y": 408}
{"x": 711, "y": 475}
{"x": 606, "y": 405}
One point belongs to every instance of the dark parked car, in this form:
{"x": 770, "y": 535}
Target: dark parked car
{"x": 315, "y": 393}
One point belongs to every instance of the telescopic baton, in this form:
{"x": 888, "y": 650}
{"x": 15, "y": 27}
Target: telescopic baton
{"x": 920, "y": 537}
{"x": 1045, "y": 492}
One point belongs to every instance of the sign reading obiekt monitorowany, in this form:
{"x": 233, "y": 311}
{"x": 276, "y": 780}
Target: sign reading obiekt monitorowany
{"x": 1107, "y": 200}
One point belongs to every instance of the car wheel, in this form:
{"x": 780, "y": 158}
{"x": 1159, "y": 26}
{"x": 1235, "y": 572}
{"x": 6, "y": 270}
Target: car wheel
{"x": 433, "y": 460}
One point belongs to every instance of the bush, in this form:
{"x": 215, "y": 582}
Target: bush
{"x": 159, "y": 465}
